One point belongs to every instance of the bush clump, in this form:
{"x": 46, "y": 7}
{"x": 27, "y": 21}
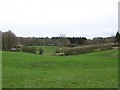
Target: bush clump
{"x": 41, "y": 51}
{"x": 105, "y": 47}
{"x": 29, "y": 49}
{"x": 82, "y": 50}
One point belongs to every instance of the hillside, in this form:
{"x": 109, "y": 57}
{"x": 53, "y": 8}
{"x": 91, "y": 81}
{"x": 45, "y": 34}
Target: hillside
{"x": 92, "y": 70}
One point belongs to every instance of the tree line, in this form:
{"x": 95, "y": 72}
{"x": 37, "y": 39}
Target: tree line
{"x": 10, "y": 40}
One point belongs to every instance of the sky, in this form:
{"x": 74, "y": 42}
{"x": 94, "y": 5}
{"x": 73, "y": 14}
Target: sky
{"x": 50, "y": 18}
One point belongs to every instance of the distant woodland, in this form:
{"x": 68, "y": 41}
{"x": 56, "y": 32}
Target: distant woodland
{"x": 10, "y": 40}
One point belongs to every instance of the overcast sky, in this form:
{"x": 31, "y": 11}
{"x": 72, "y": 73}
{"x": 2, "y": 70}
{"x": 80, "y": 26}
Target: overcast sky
{"x": 42, "y": 18}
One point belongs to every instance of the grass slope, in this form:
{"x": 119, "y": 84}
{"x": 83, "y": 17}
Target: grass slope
{"x": 93, "y": 70}
{"x": 48, "y": 50}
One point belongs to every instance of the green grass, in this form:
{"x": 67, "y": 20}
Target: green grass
{"x": 48, "y": 50}
{"x": 92, "y": 70}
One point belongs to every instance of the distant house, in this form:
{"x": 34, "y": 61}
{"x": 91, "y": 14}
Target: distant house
{"x": 13, "y": 49}
{"x": 17, "y": 48}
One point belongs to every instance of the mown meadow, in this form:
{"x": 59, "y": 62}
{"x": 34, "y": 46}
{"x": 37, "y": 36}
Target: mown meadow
{"x": 48, "y": 50}
{"x": 91, "y": 70}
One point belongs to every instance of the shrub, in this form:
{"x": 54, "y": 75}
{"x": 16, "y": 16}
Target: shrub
{"x": 32, "y": 50}
{"x": 58, "y": 51}
{"x": 68, "y": 51}
{"x": 41, "y": 51}
{"x": 29, "y": 49}
{"x": 105, "y": 47}
{"x": 82, "y": 50}
{"x": 25, "y": 49}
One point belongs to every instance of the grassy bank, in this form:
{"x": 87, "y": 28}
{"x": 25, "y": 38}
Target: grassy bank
{"x": 94, "y": 70}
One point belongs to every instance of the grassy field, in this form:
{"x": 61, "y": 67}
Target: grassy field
{"x": 48, "y": 50}
{"x": 92, "y": 70}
